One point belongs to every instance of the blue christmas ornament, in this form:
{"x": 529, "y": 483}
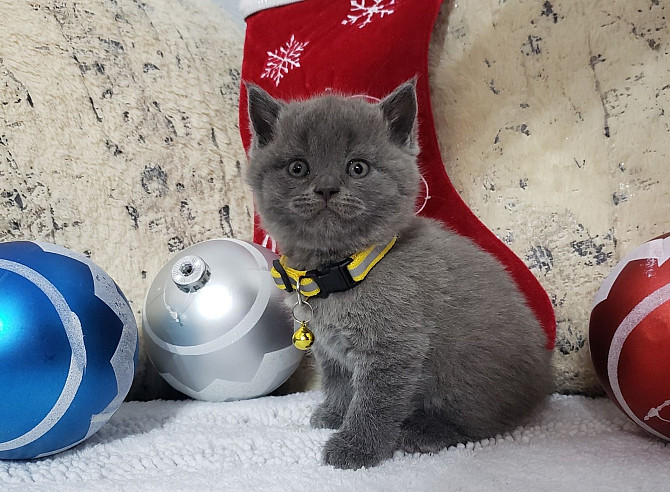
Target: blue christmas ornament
{"x": 68, "y": 349}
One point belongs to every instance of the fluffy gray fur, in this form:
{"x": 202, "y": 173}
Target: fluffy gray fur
{"x": 437, "y": 345}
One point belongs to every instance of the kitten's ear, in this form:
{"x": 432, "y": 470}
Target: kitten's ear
{"x": 263, "y": 113}
{"x": 399, "y": 109}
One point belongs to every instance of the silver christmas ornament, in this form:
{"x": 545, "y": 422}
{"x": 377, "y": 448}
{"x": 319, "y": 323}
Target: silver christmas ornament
{"x": 215, "y": 326}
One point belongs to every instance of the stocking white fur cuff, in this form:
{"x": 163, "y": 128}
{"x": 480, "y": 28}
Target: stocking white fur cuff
{"x": 248, "y": 7}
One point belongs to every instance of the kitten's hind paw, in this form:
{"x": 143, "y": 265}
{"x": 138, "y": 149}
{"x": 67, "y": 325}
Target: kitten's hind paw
{"x": 414, "y": 443}
{"x": 428, "y": 437}
{"x": 325, "y": 418}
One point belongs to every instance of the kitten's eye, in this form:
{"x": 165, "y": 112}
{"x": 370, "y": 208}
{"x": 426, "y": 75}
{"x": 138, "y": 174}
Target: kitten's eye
{"x": 298, "y": 168}
{"x": 358, "y": 168}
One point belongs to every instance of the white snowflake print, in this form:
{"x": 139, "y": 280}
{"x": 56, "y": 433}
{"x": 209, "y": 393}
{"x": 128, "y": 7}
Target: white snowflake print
{"x": 269, "y": 243}
{"x": 656, "y": 411}
{"x": 282, "y": 60}
{"x": 363, "y": 11}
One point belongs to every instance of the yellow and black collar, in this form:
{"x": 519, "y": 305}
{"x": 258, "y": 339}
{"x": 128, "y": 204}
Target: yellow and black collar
{"x": 337, "y": 277}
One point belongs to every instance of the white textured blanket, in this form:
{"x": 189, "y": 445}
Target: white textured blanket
{"x": 577, "y": 443}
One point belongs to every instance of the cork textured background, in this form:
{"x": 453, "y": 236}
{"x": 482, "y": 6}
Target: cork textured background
{"x": 554, "y": 123}
{"x": 118, "y": 134}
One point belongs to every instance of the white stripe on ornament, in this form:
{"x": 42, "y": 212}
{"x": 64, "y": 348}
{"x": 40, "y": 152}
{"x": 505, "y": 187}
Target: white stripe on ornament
{"x": 248, "y": 7}
{"x": 630, "y": 322}
{"x": 97, "y": 421}
{"x": 272, "y": 372}
{"x": 59, "y": 450}
{"x": 75, "y": 336}
{"x": 656, "y": 251}
{"x": 123, "y": 359}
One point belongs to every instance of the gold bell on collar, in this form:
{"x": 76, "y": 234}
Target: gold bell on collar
{"x": 303, "y": 338}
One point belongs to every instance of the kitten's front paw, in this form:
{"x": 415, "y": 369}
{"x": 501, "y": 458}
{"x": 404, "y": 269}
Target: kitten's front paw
{"x": 352, "y": 451}
{"x": 325, "y": 418}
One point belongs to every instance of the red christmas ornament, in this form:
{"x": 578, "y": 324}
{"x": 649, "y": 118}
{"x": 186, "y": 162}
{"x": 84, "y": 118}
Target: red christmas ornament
{"x": 629, "y": 336}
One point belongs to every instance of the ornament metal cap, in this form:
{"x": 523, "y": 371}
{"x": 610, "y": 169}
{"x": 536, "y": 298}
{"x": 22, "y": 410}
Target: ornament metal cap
{"x": 190, "y": 273}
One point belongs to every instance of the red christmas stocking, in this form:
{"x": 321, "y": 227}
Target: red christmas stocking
{"x": 300, "y": 48}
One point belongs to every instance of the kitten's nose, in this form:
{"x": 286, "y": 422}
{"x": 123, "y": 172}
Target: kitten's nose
{"x": 326, "y": 193}
{"x": 327, "y": 188}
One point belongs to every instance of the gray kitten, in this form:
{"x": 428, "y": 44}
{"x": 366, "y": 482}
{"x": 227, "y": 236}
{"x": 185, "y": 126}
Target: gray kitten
{"x": 436, "y": 346}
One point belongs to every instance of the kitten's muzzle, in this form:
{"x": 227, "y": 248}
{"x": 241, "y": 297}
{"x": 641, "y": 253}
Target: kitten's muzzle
{"x": 327, "y": 187}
